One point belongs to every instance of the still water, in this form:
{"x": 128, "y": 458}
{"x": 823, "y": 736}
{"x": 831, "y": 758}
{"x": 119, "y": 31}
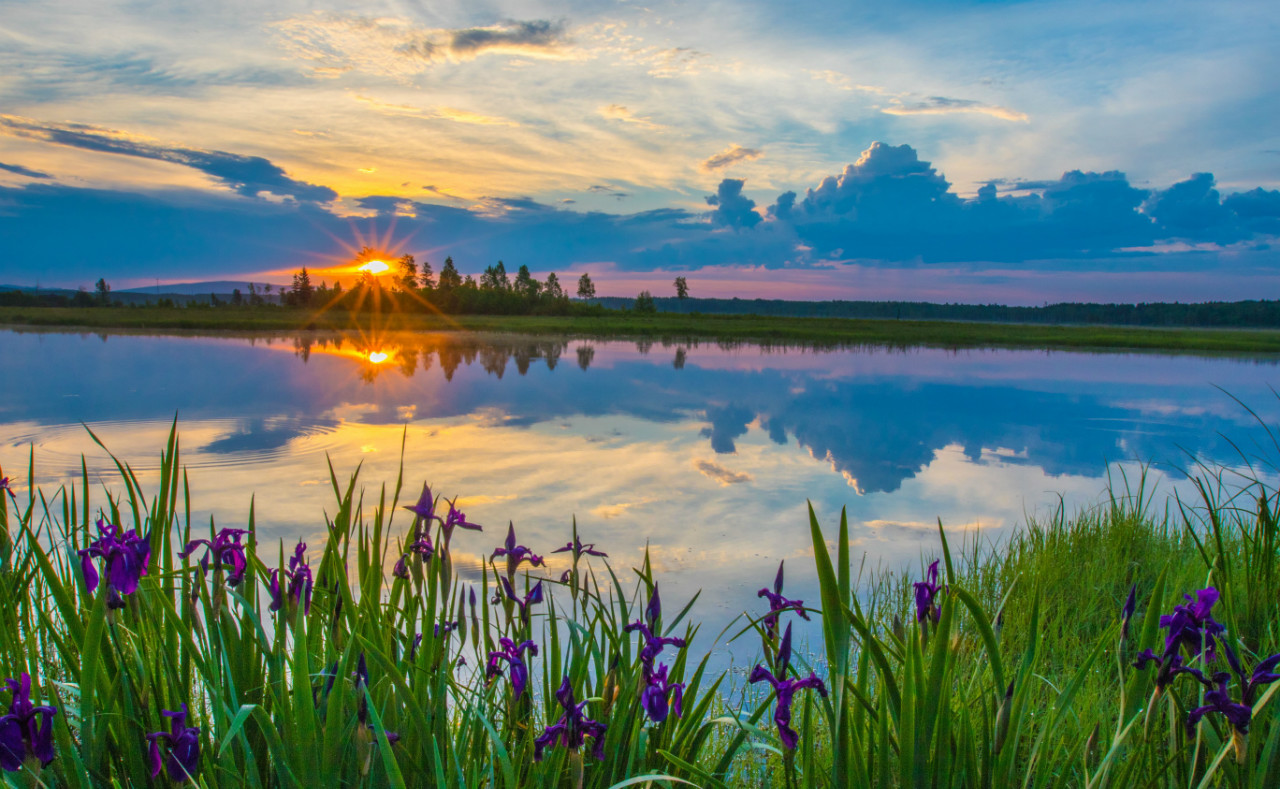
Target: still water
{"x": 705, "y": 452}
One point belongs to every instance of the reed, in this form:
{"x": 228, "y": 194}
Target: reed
{"x": 369, "y": 661}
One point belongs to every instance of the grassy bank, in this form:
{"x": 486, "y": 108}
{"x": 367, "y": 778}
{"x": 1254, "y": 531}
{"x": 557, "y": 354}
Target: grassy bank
{"x": 367, "y": 661}
{"x": 816, "y": 331}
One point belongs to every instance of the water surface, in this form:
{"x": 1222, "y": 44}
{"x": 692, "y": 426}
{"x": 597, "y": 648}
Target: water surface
{"x": 707, "y": 453}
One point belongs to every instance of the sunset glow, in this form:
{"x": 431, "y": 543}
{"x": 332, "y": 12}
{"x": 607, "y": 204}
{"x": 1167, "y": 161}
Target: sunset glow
{"x": 378, "y": 357}
{"x": 375, "y": 267}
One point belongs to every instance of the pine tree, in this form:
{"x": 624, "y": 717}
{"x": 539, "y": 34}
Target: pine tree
{"x": 449, "y": 276}
{"x": 427, "y": 277}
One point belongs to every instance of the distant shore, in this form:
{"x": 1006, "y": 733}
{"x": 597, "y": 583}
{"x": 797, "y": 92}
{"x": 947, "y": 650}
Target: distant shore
{"x": 749, "y": 328}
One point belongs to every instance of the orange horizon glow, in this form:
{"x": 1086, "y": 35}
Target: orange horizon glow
{"x": 375, "y": 267}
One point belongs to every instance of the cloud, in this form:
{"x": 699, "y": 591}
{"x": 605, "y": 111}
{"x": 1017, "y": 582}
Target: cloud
{"x": 523, "y": 37}
{"x": 844, "y": 83}
{"x": 247, "y": 175}
{"x": 27, "y": 172}
{"x": 720, "y": 474}
{"x": 611, "y": 191}
{"x": 733, "y": 209}
{"x": 732, "y": 155}
{"x": 401, "y": 48}
{"x": 618, "y": 112}
{"x": 941, "y": 105}
{"x": 436, "y": 113}
{"x": 1193, "y": 210}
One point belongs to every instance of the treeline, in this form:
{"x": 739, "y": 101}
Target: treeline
{"x": 1235, "y": 314}
{"x": 410, "y": 287}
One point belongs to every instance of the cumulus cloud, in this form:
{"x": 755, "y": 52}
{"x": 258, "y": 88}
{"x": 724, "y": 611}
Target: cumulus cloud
{"x": 941, "y": 105}
{"x": 26, "y": 172}
{"x": 732, "y": 207}
{"x": 732, "y": 155}
{"x": 1193, "y": 210}
{"x": 339, "y": 43}
{"x": 247, "y": 175}
{"x": 719, "y": 473}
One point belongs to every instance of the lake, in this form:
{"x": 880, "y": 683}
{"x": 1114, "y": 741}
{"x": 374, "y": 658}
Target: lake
{"x": 705, "y": 452}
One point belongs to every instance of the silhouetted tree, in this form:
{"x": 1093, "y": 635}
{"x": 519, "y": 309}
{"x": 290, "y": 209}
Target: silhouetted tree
{"x": 645, "y": 304}
{"x": 102, "y": 289}
{"x": 302, "y": 290}
{"x": 408, "y": 273}
{"x": 236, "y": 298}
{"x": 495, "y": 278}
{"x": 427, "y": 277}
{"x": 682, "y": 288}
{"x": 586, "y": 288}
{"x": 552, "y": 289}
{"x": 449, "y": 276}
{"x": 526, "y": 285}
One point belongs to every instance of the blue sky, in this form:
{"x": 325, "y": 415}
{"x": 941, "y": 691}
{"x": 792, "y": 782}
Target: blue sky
{"x": 945, "y": 151}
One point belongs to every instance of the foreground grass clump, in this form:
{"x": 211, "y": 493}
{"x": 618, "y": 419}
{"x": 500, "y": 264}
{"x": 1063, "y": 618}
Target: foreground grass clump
{"x": 147, "y": 651}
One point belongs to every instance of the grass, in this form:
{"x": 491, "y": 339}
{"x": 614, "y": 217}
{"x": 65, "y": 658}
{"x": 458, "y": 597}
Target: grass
{"x": 814, "y": 331}
{"x": 1023, "y": 680}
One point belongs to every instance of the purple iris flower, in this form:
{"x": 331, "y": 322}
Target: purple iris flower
{"x": 425, "y": 507}
{"x": 516, "y": 554}
{"x": 534, "y": 596}
{"x": 516, "y": 668}
{"x": 572, "y": 728}
{"x": 653, "y": 643}
{"x": 778, "y": 604}
{"x": 182, "y": 746}
{"x": 124, "y": 557}
{"x": 1192, "y": 625}
{"x": 456, "y": 519}
{"x": 661, "y": 696}
{"x": 927, "y": 606}
{"x": 1126, "y": 613}
{"x": 421, "y": 548}
{"x": 21, "y": 735}
{"x": 299, "y": 578}
{"x": 225, "y": 549}
{"x": 1219, "y": 699}
{"x": 786, "y": 689}
{"x": 579, "y": 549}
{"x": 362, "y": 710}
{"x": 4, "y": 485}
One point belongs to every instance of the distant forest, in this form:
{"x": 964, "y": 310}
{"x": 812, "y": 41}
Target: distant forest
{"x": 1237, "y": 314}
{"x": 412, "y": 287}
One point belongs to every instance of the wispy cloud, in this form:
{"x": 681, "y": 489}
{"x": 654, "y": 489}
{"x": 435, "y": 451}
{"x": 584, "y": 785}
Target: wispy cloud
{"x": 247, "y": 175}
{"x": 611, "y": 191}
{"x": 400, "y": 47}
{"x": 732, "y": 155}
{"x": 845, "y": 83}
{"x": 720, "y": 474}
{"x": 434, "y": 113}
{"x": 941, "y": 105}
{"x": 619, "y": 112}
{"x": 27, "y": 172}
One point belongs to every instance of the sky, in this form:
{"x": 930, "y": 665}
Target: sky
{"x": 1015, "y": 152}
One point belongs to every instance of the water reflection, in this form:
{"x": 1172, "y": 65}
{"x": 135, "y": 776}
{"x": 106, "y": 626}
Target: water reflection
{"x": 707, "y": 451}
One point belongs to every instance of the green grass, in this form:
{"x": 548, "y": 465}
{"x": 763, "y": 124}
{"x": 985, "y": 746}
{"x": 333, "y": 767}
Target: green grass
{"x": 814, "y": 331}
{"x": 1024, "y": 681}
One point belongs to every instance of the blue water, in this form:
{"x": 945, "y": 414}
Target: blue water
{"x": 707, "y": 454}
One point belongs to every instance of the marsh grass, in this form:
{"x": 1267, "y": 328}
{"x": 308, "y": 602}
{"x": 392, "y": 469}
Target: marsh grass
{"x": 827, "y": 332}
{"x": 1024, "y": 680}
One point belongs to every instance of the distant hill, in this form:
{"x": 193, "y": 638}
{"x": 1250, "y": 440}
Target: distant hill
{"x": 220, "y": 287}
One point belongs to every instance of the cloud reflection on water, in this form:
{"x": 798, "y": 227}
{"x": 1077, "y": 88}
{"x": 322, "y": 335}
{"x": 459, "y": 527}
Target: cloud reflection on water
{"x": 710, "y": 462}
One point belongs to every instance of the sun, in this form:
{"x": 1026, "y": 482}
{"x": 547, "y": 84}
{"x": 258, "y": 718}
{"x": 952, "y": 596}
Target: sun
{"x": 375, "y": 267}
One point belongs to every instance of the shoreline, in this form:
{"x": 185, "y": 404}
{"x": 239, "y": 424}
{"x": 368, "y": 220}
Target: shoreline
{"x": 833, "y": 332}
